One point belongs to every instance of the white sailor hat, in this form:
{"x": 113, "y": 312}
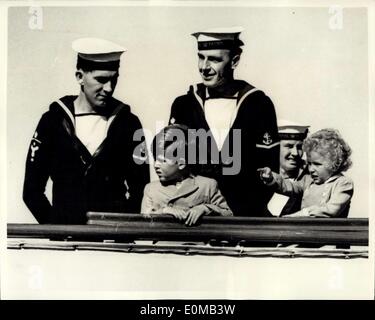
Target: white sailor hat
{"x": 291, "y": 131}
{"x": 219, "y": 38}
{"x": 97, "y": 54}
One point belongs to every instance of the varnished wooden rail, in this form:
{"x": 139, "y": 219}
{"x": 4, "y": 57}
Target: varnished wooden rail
{"x": 231, "y": 220}
{"x": 209, "y": 222}
{"x": 129, "y": 227}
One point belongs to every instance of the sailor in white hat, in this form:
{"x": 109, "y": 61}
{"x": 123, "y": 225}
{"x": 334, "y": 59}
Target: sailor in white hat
{"x": 291, "y": 139}
{"x": 292, "y": 165}
{"x": 98, "y": 63}
{"x": 219, "y": 52}
{"x": 85, "y": 144}
{"x": 224, "y": 106}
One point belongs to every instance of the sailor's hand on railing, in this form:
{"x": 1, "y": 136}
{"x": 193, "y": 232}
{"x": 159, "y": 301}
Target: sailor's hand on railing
{"x": 265, "y": 175}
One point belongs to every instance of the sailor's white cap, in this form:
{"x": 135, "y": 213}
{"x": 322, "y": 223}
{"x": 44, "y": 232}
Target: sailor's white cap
{"x": 289, "y": 130}
{"x": 98, "y": 53}
{"x": 219, "y": 38}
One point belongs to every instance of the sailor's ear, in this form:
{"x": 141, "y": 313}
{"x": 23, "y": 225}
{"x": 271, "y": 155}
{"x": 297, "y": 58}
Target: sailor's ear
{"x": 235, "y": 61}
{"x": 79, "y": 77}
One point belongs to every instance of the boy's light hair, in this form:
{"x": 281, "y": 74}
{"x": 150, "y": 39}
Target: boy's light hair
{"x": 329, "y": 144}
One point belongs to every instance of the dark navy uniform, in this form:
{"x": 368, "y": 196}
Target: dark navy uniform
{"x": 108, "y": 180}
{"x": 258, "y": 147}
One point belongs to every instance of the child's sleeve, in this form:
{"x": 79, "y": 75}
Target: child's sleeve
{"x": 340, "y": 199}
{"x": 147, "y": 203}
{"x": 218, "y": 204}
{"x": 288, "y": 187}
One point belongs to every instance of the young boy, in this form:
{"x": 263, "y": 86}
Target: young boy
{"x": 179, "y": 192}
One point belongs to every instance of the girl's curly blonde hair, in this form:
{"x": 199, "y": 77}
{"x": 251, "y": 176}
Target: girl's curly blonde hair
{"x": 330, "y": 144}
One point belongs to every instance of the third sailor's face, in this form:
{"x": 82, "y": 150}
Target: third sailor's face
{"x": 98, "y": 86}
{"x": 291, "y": 155}
{"x": 215, "y": 67}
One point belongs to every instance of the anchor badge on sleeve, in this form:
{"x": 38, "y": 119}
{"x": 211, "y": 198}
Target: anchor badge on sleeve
{"x": 34, "y": 147}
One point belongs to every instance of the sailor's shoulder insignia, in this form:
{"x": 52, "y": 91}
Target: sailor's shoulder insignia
{"x": 267, "y": 139}
{"x": 35, "y": 138}
{"x": 34, "y": 146}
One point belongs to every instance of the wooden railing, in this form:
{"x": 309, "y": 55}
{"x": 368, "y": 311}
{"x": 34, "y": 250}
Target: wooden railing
{"x": 246, "y": 231}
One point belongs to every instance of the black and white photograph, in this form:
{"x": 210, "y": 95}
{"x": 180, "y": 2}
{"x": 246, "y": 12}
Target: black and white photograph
{"x": 187, "y": 150}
